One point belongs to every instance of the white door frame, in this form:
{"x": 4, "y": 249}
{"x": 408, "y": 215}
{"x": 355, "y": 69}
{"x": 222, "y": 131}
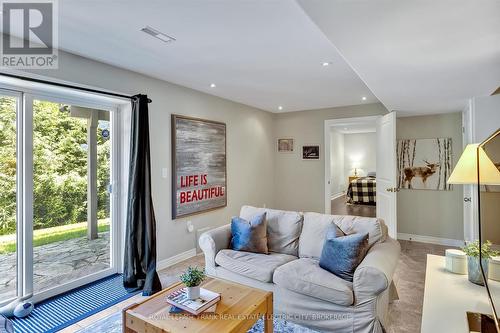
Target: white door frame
{"x": 471, "y": 224}
{"x": 27, "y": 93}
{"x": 339, "y": 122}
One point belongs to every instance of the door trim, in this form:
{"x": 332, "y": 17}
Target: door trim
{"x": 328, "y": 124}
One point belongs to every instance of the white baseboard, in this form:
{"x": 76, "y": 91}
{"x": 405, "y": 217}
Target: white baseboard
{"x": 431, "y": 239}
{"x": 165, "y": 263}
{"x": 338, "y": 195}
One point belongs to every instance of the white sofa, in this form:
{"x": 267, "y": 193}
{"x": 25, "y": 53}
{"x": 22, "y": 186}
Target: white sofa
{"x": 303, "y": 292}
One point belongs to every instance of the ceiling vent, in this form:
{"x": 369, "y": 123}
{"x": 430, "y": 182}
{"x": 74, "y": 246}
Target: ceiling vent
{"x": 158, "y": 34}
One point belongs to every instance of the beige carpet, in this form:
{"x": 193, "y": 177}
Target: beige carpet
{"x": 405, "y": 314}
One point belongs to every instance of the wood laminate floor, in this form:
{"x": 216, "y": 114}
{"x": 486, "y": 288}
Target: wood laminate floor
{"x": 340, "y": 207}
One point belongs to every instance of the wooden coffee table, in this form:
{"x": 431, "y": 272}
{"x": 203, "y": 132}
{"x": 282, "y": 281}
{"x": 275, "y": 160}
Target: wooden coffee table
{"x": 238, "y": 310}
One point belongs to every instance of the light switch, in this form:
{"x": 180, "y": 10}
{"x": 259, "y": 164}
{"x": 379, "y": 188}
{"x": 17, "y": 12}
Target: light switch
{"x": 164, "y": 173}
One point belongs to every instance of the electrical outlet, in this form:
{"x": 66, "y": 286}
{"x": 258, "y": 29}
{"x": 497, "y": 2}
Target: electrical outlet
{"x": 190, "y": 226}
{"x": 164, "y": 173}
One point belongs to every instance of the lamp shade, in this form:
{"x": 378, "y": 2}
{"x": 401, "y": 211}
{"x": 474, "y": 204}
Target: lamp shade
{"x": 465, "y": 172}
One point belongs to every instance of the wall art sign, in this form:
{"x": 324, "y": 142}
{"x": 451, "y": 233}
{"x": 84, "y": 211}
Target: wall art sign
{"x": 198, "y": 165}
{"x": 310, "y": 152}
{"x": 424, "y": 164}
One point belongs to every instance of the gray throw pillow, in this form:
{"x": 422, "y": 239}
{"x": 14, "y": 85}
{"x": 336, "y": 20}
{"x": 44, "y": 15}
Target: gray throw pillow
{"x": 341, "y": 255}
{"x": 249, "y": 236}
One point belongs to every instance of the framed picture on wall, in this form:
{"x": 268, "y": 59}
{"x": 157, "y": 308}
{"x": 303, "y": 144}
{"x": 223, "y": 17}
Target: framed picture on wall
{"x": 285, "y": 145}
{"x": 310, "y": 152}
{"x": 424, "y": 164}
{"x": 198, "y": 165}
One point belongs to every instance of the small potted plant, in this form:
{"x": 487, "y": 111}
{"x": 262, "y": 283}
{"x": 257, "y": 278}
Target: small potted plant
{"x": 192, "y": 278}
{"x": 473, "y": 268}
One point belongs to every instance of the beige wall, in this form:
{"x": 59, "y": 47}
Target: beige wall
{"x": 427, "y": 212}
{"x": 363, "y": 148}
{"x": 250, "y": 144}
{"x": 299, "y": 184}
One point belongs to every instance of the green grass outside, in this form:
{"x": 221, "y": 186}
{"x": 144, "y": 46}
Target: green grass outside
{"x": 52, "y": 235}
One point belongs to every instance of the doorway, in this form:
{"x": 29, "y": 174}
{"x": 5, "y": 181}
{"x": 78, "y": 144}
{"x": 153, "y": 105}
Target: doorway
{"x": 360, "y": 168}
{"x": 353, "y": 160}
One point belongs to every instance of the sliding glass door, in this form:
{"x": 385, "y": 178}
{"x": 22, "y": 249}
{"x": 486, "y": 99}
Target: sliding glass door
{"x": 55, "y": 204}
{"x": 71, "y": 217}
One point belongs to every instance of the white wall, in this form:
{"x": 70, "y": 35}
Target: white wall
{"x": 337, "y": 174}
{"x": 300, "y": 185}
{"x": 250, "y": 144}
{"x": 362, "y": 148}
{"x": 429, "y": 212}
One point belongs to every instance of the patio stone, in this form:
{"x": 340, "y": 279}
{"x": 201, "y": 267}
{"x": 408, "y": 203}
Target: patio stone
{"x": 58, "y": 263}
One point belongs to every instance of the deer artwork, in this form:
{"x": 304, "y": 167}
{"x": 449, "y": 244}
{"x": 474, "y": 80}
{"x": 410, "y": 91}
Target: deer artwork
{"x": 422, "y": 172}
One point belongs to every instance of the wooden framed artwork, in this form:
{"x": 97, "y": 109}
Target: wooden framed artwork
{"x": 310, "y": 152}
{"x": 285, "y": 146}
{"x": 198, "y": 165}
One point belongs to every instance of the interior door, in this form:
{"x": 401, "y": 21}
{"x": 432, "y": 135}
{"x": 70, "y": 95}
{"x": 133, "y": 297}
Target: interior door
{"x": 386, "y": 172}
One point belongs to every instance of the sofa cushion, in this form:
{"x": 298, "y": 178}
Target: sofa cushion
{"x": 304, "y": 276}
{"x": 314, "y": 233}
{"x": 257, "y": 266}
{"x": 249, "y": 235}
{"x": 376, "y": 229}
{"x": 341, "y": 255}
{"x": 283, "y": 228}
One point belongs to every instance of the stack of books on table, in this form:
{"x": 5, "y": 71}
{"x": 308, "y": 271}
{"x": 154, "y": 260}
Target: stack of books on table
{"x": 205, "y": 303}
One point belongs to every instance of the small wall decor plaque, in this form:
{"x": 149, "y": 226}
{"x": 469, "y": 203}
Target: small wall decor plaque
{"x": 310, "y": 152}
{"x": 285, "y": 145}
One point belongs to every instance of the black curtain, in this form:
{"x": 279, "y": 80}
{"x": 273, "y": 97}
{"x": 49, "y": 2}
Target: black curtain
{"x": 140, "y": 237}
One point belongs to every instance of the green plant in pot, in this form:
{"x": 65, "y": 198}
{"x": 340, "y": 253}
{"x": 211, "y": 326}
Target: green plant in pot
{"x": 473, "y": 268}
{"x": 192, "y": 278}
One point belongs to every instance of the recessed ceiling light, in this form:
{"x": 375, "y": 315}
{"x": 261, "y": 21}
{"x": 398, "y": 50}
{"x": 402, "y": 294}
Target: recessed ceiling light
{"x": 325, "y": 64}
{"x": 363, "y": 98}
{"x": 212, "y": 85}
{"x": 280, "y": 108}
{"x": 345, "y": 128}
{"x": 158, "y": 34}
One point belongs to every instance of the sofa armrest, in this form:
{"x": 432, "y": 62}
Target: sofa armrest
{"x": 211, "y": 242}
{"x": 374, "y": 274}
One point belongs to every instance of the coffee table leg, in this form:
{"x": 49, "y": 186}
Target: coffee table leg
{"x": 125, "y": 329}
{"x": 268, "y": 319}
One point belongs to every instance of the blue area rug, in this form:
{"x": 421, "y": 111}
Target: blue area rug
{"x": 66, "y": 309}
{"x": 113, "y": 324}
